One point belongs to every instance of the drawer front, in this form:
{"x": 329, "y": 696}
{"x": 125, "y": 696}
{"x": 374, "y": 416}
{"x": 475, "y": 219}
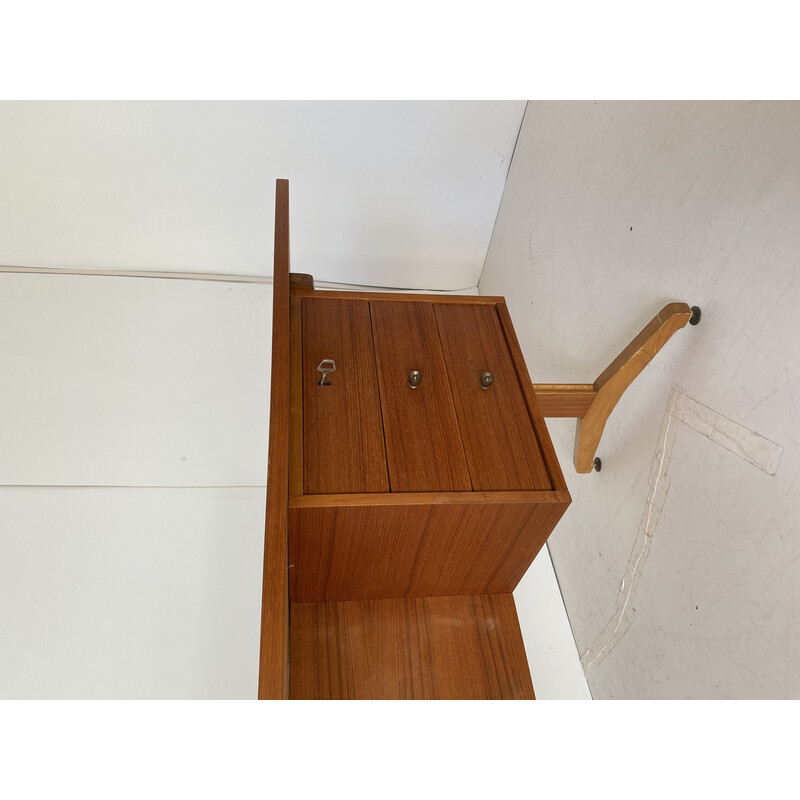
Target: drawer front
{"x": 343, "y": 450}
{"x": 424, "y": 452}
{"x": 500, "y": 444}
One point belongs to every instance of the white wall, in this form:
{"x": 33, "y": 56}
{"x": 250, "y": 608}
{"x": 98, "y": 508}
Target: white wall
{"x": 133, "y": 382}
{"x": 110, "y": 593}
{"x": 388, "y": 194}
{"x": 116, "y": 580}
{"x": 679, "y": 563}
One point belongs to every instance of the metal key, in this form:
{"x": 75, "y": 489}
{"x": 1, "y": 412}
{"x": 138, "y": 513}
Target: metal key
{"x": 325, "y": 370}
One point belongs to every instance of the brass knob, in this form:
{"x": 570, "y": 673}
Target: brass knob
{"x": 487, "y": 379}
{"x": 414, "y": 378}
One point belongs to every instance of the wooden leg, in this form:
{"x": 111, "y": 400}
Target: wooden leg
{"x": 593, "y": 404}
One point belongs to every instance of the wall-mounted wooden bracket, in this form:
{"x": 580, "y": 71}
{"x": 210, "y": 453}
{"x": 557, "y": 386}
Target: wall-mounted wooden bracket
{"x": 592, "y": 403}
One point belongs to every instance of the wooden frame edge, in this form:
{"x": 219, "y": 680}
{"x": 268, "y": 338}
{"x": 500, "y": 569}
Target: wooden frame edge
{"x": 424, "y": 498}
{"x": 273, "y": 668}
{"x": 396, "y": 297}
{"x": 296, "y": 394}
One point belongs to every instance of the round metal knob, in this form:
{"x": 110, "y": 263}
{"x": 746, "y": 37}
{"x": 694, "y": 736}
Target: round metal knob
{"x": 414, "y": 378}
{"x": 487, "y": 379}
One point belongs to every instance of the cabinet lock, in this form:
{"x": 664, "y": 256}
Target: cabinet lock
{"x": 326, "y": 366}
{"x": 414, "y": 378}
{"x": 487, "y": 379}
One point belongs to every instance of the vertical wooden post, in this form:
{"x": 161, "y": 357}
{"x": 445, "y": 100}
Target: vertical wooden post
{"x": 273, "y": 677}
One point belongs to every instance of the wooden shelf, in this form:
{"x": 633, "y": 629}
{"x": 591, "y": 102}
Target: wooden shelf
{"x": 429, "y": 648}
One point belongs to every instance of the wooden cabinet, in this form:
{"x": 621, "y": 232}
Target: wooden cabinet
{"x": 448, "y": 487}
{"x": 368, "y": 429}
{"x": 414, "y": 507}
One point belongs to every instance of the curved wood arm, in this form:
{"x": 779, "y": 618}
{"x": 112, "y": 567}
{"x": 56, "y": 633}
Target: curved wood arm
{"x": 620, "y": 374}
{"x": 593, "y": 403}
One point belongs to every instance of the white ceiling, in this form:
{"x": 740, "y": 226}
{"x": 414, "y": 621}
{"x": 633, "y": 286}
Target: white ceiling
{"x": 400, "y": 194}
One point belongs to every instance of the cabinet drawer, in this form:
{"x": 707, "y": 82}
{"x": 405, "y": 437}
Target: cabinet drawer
{"x": 501, "y": 447}
{"x": 343, "y": 450}
{"x": 423, "y": 444}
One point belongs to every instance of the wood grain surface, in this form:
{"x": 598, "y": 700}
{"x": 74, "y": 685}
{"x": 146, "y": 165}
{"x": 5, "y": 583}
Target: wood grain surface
{"x": 359, "y": 552}
{"x": 273, "y": 673}
{"x": 295, "y": 395}
{"x": 402, "y": 297}
{"x": 540, "y": 428}
{"x": 564, "y": 399}
{"x": 502, "y": 450}
{"x": 423, "y": 443}
{"x": 618, "y": 376}
{"x": 300, "y": 279}
{"x": 343, "y": 448}
{"x": 424, "y": 498}
{"x": 444, "y": 648}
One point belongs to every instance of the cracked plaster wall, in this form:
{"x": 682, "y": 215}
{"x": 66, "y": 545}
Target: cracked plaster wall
{"x": 611, "y": 210}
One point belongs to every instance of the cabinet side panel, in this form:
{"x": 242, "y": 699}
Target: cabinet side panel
{"x": 423, "y": 444}
{"x": 499, "y": 441}
{"x": 363, "y": 552}
{"x": 343, "y": 448}
{"x": 543, "y": 435}
{"x": 433, "y": 648}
